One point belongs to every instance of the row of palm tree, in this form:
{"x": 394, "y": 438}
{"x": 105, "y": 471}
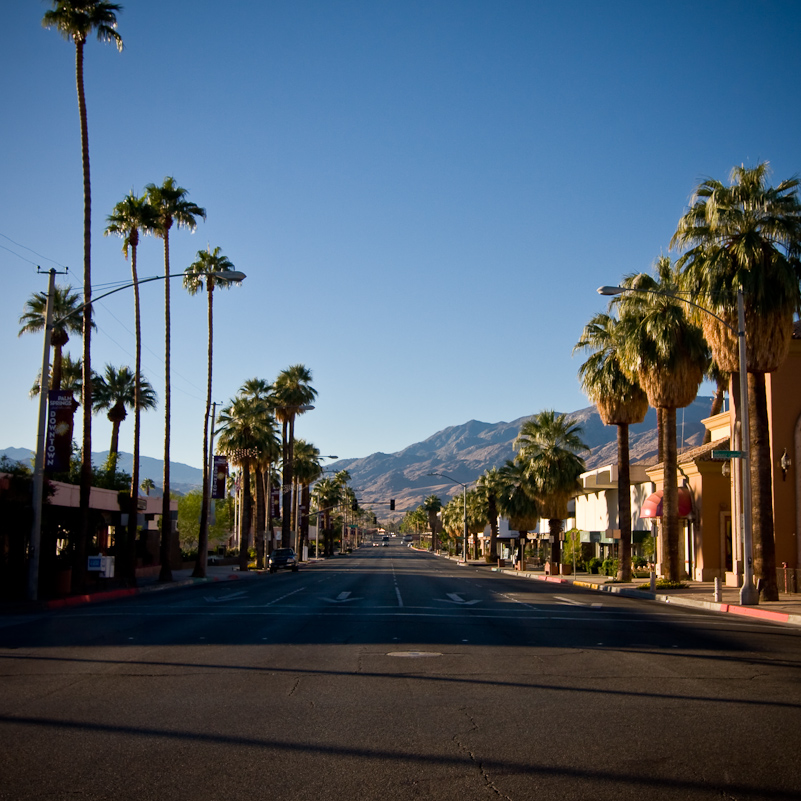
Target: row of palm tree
{"x": 658, "y": 342}
{"x": 537, "y": 484}
{"x": 157, "y": 212}
{"x": 248, "y": 435}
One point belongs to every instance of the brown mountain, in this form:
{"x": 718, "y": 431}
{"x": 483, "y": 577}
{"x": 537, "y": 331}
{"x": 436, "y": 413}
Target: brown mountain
{"x": 464, "y": 452}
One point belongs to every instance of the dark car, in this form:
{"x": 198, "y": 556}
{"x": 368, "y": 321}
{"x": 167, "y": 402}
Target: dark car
{"x": 283, "y": 557}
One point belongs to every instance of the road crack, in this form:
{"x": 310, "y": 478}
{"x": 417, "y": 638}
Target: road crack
{"x": 475, "y": 760}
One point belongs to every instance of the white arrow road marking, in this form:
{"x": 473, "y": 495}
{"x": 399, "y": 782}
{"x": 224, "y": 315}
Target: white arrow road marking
{"x": 456, "y": 598}
{"x": 222, "y": 598}
{"x": 342, "y": 598}
{"x": 576, "y": 603}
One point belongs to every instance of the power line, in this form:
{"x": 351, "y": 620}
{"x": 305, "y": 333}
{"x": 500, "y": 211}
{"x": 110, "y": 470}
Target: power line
{"x": 31, "y": 250}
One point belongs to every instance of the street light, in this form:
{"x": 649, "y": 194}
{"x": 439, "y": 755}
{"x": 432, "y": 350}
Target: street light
{"x": 464, "y": 496}
{"x": 38, "y": 470}
{"x": 749, "y": 596}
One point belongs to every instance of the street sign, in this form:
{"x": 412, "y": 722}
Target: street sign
{"x": 728, "y": 454}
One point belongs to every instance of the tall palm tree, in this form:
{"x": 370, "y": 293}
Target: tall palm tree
{"x": 621, "y": 402}
{"x": 432, "y": 505}
{"x": 247, "y": 428}
{"x": 115, "y": 393}
{"x": 259, "y": 392}
{"x": 171, "y": 208}
{"x": 668, "y": 355}
{"x": 490, "y": 488}
{"x": 306, "y": 470}
{"x": 147, "y": 485}
{"x": 129, "y": 218}
{"x": 66, "y": 304}
{"x": 205, "y": 271}
{"x": 518, "y": 503}
{"x": 71, "y": 378}
{"x": 748, "y": 235}
{"x": 75, "y": 20}
{"x": 292, "y": 391}
{"x": 327, "y": 495}
{"x": 548, "y": 447}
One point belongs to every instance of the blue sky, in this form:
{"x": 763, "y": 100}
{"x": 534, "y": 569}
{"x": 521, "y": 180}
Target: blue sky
{"x": 424, "y": 195}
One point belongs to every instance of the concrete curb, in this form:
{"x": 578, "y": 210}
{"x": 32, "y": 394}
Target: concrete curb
{"x": 692, "y": 603}
{"x": 114, "y": 595}
{"x": 757, "y": 613}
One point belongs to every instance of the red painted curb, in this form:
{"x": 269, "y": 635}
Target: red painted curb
{"x": 75, "y": 600}
{"x": 762, "y": 614}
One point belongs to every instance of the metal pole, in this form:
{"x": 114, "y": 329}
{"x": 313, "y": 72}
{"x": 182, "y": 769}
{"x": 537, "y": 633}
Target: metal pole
{"x": 38, "y": 470}
{"x": 749, "y": 596}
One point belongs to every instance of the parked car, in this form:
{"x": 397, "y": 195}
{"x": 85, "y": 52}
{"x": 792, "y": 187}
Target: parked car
{"x": 283, "y": 558}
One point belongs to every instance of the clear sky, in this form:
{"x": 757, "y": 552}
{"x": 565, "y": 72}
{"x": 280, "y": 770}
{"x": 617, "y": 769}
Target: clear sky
{"x": 424, "y": 194}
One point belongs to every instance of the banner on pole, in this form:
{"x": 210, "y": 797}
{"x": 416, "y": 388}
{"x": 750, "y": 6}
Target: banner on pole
{"x": 219, "y": 477}
{"x": 59, "y": 431}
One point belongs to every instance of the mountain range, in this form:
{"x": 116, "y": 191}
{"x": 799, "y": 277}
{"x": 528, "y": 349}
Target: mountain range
{"x": 463, "y": 452}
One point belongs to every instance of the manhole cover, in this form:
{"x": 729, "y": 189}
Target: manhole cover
{"x": 413, "y": 654}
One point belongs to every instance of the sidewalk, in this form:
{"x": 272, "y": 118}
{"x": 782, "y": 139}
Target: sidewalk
{"x": 697, "y": 594}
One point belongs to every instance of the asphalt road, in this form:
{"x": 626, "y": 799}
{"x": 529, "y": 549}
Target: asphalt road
{"x": 391, "y": 674}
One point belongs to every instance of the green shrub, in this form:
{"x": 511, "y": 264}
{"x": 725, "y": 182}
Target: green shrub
{"x": 593, "y": 564}
{"x": 609, "y": 566}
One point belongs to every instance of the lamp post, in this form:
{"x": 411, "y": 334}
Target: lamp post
{"x": 38, "y": 472}
{"x": 464, "y": 497}
{"x": 749, "y": 596}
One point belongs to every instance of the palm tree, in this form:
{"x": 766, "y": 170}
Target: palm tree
{"x": 621, "y": 402}
{"x": 204, "y": 272}
{"x": 328, "y": 495}
{"x": 306, "y": 469}
{"x": 518, "y": 503}
{"x": 147, "y": 485}
{"x": 748, "y": 235}
{"x": 491, "y": 487}
{"x": 171, "y": 208}
{"x": 66, "y": 304}
{"x": 243, "y": 425}
{"x": 432, "y": 505}
{"x": 129, "y": 218}
{"x": 548, "y": 447}
{"x": 292, "y": 392}
{"x": 75, "y": 20}
{"x": 115, "y": 392}
{"x": 668, "y": 355}
{"x": 258, "y": 391}
{"x": 453, "y": 518}
{"x": 71, "y": 378}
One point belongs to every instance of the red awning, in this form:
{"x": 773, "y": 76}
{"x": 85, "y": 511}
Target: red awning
{"x": 653, "y": 504}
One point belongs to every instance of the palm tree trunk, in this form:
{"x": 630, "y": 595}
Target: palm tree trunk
{"x": 286, "y": 489}
{"x": 79, "y": 568}
{"x": 493, "y": 524}
{"x": 129, "y": 568}
{"x": 166, "y": 522}
{"x": 554, "y": 531}
{"x": 247, "y": 514}
{"x": 624, "y": 502}
{"x": 114, "y": 447}
{"x": 260, "y": 527}
{"x": 203, "y": 537}
{"x": 764, "y": 546}
{"x": 670, "y": 497}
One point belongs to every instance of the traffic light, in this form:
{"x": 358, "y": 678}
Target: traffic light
{"x": 391, "y": 504}
{"x": 354, "y": 506}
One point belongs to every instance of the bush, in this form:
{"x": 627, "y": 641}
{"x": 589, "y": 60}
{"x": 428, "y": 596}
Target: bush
{"x": 593, "y": 564}
{"x": 610, "y": 566}
{"x": 639, "y": 561}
